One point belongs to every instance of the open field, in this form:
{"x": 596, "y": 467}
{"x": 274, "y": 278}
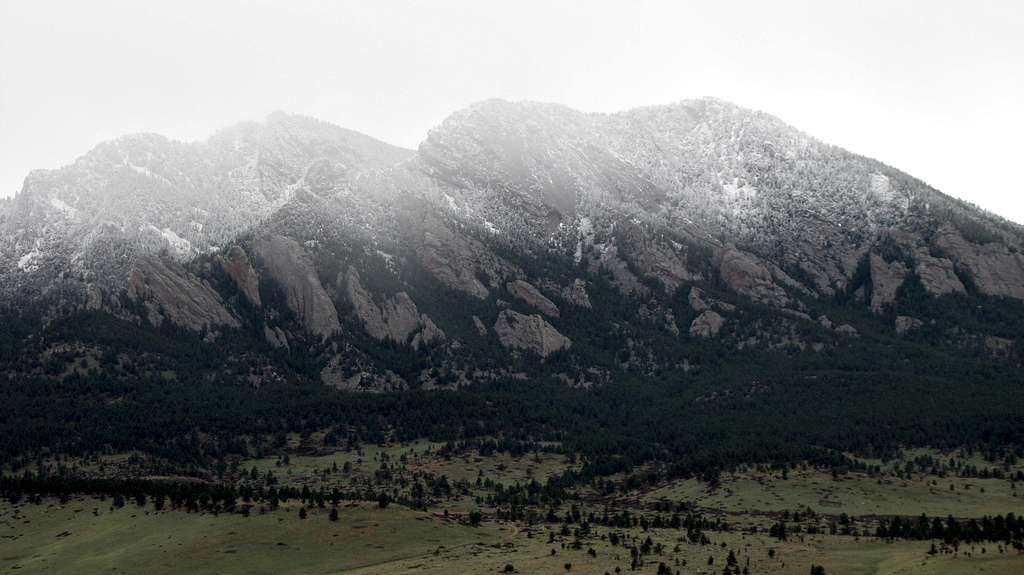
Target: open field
{"x": 86, "y": 536}
{"x": 70, "y": 539}
{"x": 414, "y": 457}
{"x": 853, "y": 494}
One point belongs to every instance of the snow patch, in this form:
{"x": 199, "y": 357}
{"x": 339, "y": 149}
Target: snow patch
{"x": 61, "y": 206}
{"x": 178, "y": 243}
{"x": 586, "y": 237}
{"x": 27, "y": 262}
{"x": 389, "y": 260}
{"x": 880, "y": 186}
{"x": 145, "y": 171}
{"x": 452, "y": 204}
{"x": 178, "y": 246}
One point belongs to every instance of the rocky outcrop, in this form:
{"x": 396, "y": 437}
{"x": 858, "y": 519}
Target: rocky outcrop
{"x": 576, "y": 294}
{"x": 275, "y": 337}
{"x": 886, "y": 279}
{"x": 707, "y": 324}
{"x": 998, "y": 347}
{"x": 617, "y": 205}
{"x": 456, "y": 260}
{"x": 906, "y": 324}
{"x": 608, "y": 261}
{"x": 480, "y": 327}
{"x": 400, "y": 316}
{"x": 847, "y": 330}
{"x": 338, "y": 374}
{"x": 699, "y": 302}
{"x": 670, "y": 323}
{"x": 396, "y": 320}
{"x": 661, "y": 261}
{"x": 796, "y": 314}
{"x": 532, "y": 297}
{"x": 696, "y": 300}
{"x": 938, "y": 275}
{"x": 287, "y": 262}
{"x": 235, "y": 262}
{"x": 170, "y": 292}
{"x": 429, "y": 334}
{"x": 994, "y": 268}
{"x": 746, "y": 275}
{"x": 529, "y": 333}
{"x": 93, "y": 298}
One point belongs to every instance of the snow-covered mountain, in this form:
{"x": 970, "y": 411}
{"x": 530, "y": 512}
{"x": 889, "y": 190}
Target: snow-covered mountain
{"x": 520, "y": 238}
{"x": 142, "y": 194}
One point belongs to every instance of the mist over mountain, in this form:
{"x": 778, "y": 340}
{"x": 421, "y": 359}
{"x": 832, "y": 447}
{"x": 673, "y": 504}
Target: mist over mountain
{"x": 520, "y": 240}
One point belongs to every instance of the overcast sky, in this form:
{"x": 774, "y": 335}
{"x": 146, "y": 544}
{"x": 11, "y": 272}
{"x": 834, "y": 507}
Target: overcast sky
{"x": 932, "y": 87}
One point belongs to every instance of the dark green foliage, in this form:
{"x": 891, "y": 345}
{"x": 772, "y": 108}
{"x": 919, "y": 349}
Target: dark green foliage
{"x": 763, "y": 410}
{"x": 999, "y": 528}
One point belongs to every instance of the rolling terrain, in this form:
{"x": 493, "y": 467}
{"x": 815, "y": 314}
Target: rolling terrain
{"x": 677, "y": 339}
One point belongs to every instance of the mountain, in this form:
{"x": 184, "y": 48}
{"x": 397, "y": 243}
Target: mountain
{"x": 144, "y": 193}
{"x": 520, "y": 240}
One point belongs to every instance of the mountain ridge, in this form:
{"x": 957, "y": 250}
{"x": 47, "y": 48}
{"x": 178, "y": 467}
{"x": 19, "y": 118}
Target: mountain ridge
{"x": 496, "y": 247}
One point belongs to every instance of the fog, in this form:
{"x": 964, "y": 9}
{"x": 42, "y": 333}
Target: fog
{"x": 933, "y": 88}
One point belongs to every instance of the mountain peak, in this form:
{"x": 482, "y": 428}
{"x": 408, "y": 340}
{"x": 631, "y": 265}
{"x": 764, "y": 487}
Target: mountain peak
{"x": 513, "y": 209}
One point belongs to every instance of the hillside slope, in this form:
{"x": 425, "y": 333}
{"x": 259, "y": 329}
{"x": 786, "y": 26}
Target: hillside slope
{"x": 520, "y": 240}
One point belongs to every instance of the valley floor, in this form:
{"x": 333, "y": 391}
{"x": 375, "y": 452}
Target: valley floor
{"x": 85, "y": 535}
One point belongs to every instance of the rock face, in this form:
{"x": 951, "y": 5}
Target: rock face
{"x": 396, "y": 320}
{"x": 745, "y": 275}
{"x": 993, "y": 267}
{"x": 236, "y": 264}
{"x": 450, "y": 260}
{"x": 334, "y": 375}
{"x": 847, "y": 330}
{"x": 623, "y": 278}
{"x": 696, "y": 300}
{"x": 530, "y": 333}
{"x": 619, "y": 229}
{"x": 998, "y": 347}
{"x": 906, "y": 324}
{"x": 707, "y": 324}
{"x": 660, "y": 261}
{"x": 287, "y": 262}
{"x": 938, "y": 275}
{"x": 481, "y": 329}
{"x": 886, "y": 279}
{"x": 429, "y": 333}
{"x": 532, "y": 297}
{"x": 142, "y": 193}
{"x": 170, "y": 292}
{"x": 699, "y": 302}
{"x": 576, "y": 294}
{"x": 275, "y": 337}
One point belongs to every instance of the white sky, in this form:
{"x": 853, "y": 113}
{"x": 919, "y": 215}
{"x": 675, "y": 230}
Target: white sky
{"x": 935, "y": 88}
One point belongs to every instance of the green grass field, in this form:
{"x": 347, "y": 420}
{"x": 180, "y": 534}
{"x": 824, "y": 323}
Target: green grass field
{"x": 854, "y": 494}
{"x": 86, "y": 537}
{"x": 501, "y": 467}
{"x": 70, "y": 539}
